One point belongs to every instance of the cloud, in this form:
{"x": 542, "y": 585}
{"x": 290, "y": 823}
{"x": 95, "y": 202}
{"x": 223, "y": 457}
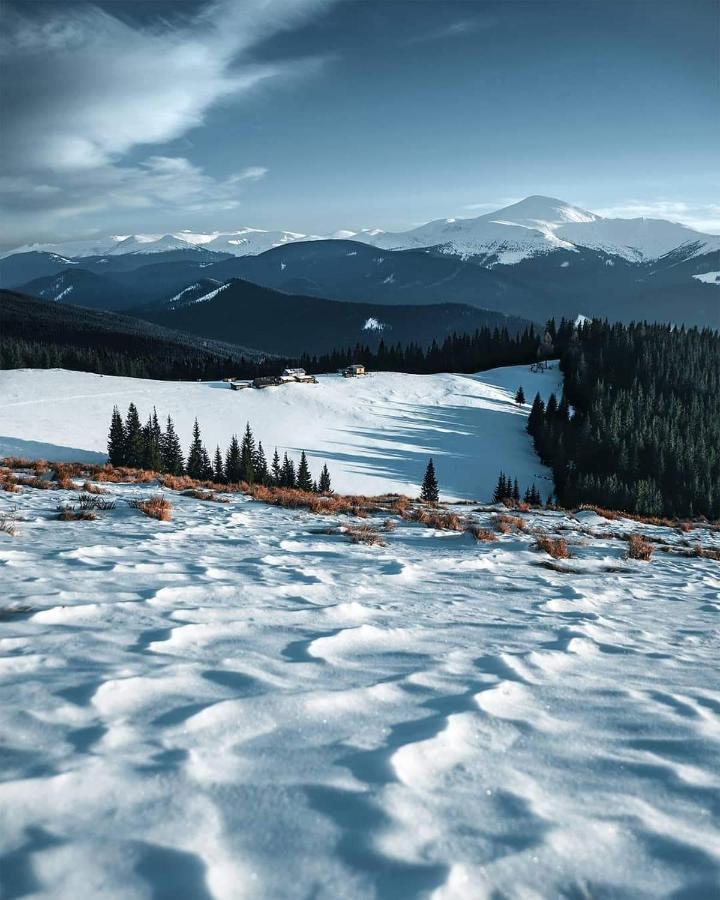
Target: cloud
{"x": 457, "y": 29}
{"x": 701, "y": 216}
{"x": 83, "y": 88}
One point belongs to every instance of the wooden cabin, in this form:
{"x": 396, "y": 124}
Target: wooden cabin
{"x": 353, "y": 371}
{"x": 240, "y": 385}
{"x": 267, "y": 381}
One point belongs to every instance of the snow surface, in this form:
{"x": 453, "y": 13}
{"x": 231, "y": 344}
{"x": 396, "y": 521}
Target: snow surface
{"x": 375, "y": 433}
{"x": 236, "y": 705}
{"x": 709, "y": 277}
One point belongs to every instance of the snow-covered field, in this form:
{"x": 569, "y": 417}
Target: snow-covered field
{"x": 235, "y": 704}
{"x": 375, "y": 433}
{"x": 240, "y": 703}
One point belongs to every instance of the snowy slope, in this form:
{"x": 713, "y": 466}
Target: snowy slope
{"x": 237, "y": 704}
{"x": 375, "y": 433}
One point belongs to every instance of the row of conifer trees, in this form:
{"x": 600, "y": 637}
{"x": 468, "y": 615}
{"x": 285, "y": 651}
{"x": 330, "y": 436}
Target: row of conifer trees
{"x": 159, "y": 449}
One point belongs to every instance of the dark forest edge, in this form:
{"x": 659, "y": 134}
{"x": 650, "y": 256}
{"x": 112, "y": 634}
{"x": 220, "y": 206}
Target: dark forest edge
{"x": 637, "y": 427}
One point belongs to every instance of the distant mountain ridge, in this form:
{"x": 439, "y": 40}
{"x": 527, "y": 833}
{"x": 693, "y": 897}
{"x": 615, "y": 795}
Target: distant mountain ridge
{"x": 535, "y": 225}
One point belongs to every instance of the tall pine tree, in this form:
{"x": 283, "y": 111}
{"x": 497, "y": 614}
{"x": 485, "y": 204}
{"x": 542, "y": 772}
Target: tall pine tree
{"x": 194, "y": 465}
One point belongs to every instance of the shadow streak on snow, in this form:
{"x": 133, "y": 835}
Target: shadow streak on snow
{"x": 11, "y": 446}
{"x": 459, "y": 438}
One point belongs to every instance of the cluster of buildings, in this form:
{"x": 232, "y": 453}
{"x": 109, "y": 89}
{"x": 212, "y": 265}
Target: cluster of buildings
{"x": 289, "y": 375}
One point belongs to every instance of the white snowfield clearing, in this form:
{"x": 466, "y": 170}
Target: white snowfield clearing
{"x": 376, "y": 433}
{"x": 238, "y": 704}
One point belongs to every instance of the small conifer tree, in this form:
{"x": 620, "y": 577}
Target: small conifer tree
{"x": 194, "y": 459}
{"x": 260, "y": 466}
{"x": 324, "y": 485}
{"x": 218, "y": 475}
{"x": 520, "y": 396}
{"x": 502, "y": 489}
{"x": 134, "y": 444}
{"x": 116, "y": 439}
{"x": 275, "y": 470}
{"x": 304, "y": 478}
{"x": 233, "y": 472}
{"x": 172, "y": 456}
{"x": 247, "y": 456}
{"x": 429, "y": 492}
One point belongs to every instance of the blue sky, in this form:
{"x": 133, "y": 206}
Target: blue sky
{"x": 316, "y": 115}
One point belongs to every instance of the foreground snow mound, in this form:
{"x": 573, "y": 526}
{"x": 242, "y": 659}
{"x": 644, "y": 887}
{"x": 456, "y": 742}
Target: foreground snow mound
{"x": 375, "y": 433}
{"x": 239, "y": 704}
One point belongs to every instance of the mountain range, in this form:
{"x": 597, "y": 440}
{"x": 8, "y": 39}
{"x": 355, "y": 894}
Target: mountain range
{"x": 534, "y": 225}
{"x": 532, "y": 260}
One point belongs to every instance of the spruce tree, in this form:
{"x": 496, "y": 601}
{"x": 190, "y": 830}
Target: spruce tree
{"x": 207, "y": 466}
{"x": 536, "y": 417}
{"x": 233, "y": 472}
{"x": 324, "y": 485}
{"x": 275, "y": 470}
{"x": 501, "y": 488}
{"x": 304, "y": 478}
{"x": 260, "y": 466}
{"x": 116, "y": 439}
{"x": 218, "y": 471}
{"x": 520, "y": 396}
{"x": 134, "y": 445}
{"x": 172, "y": 456}
{"x": 247, "y": 456}
{"x": 195, "y": 454}
{"x": 152, "y": 439}
{"x": 516, "y": 491}
{"x": 287, "y": 476}
{"x": 429, "y": 492}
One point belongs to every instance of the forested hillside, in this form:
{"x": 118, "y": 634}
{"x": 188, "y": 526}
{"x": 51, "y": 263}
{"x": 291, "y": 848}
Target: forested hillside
{"x": 638, "y": 425}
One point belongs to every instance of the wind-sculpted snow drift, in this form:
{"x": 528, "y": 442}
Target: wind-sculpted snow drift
{"x": 238, "y": 704}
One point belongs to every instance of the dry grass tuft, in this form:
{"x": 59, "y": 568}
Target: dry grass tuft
{"x": 159, "y": 508}
{"x": 73, "y": 514}
{"x": 639, "y": 548}
{"x": 91, "y": 488}
{"x": 554, "y": 546}
{"x": 481, "y": 534}
{"x": 364, "y": 534}
{"x": 208, "y": 496}
{"x": 507, "y": 524}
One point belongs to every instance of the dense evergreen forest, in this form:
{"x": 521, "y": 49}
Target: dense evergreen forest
{"x": 638, "y": 425}
{"x": 42, "y": 335}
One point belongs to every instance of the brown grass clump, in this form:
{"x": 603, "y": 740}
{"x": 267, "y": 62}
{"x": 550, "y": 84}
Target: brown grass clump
{"x": 158, "y": 508}
{"x": 91, "y": 488}
{"x": 364, "y": 534}
{"x": 8, "y": 483}
{"x": 556, "y": 547}
{"x": 481, "y": 534}
{"x": 208, "y": 496}
{"x": 69, "y": 514}
{"x": 32, "y": 481}
{"x": 117, "y": 474}
{"x": 706, "y": 552}
{"x": 507, "y": 524}
{"x": 322, "y": 504}
{"x": 639, "y": 548}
